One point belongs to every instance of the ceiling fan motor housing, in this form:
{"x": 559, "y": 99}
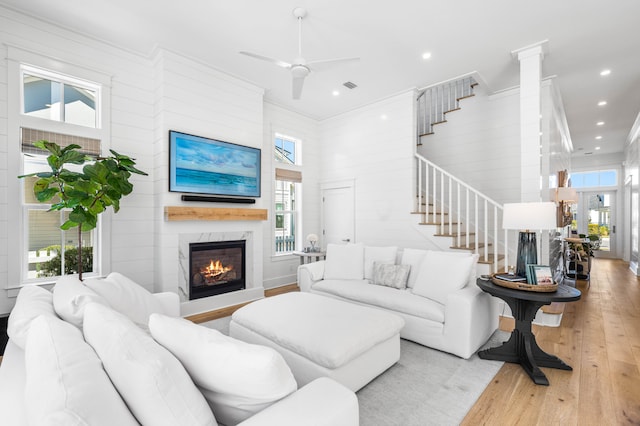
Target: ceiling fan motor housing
{"x": 299, "y": 71}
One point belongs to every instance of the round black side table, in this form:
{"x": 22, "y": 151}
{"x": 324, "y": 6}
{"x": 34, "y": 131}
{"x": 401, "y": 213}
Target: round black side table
{"x": 521, "y": 348}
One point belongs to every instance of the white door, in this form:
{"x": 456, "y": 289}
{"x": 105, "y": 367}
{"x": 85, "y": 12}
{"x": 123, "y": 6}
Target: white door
{"x": 338, "y": 214}
{"x": 596, "y": 217}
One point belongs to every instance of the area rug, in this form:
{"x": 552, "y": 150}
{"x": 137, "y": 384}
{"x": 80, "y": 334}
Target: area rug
{"x": 427, "y": 387}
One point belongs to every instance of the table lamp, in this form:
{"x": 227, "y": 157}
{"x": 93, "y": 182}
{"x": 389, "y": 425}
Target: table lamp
{"x": 565, "y": 196}
{"x": 528, "y": 218}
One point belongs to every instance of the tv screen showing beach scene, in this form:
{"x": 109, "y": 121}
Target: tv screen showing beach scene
{"x": 201, "y": 165}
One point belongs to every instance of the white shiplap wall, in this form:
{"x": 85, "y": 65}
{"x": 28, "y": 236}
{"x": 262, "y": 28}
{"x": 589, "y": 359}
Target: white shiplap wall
{"x": 196, "y": 99}
{"x": 281, "y": 270}
{"x": 131, "y": 133}
{"x": 374, "y": 145}
{"x": 485, "y": 137}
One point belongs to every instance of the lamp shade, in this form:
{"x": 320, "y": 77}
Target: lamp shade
{"x": 534, "y": 216}
{"x": 567, "y": 194}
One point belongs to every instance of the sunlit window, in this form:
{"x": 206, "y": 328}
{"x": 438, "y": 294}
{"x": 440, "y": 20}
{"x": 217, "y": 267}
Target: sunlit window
{"x": 594, "y": 179}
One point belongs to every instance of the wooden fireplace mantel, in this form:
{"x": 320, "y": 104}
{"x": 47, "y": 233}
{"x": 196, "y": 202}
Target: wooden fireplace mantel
{"x": 177, "y": 213}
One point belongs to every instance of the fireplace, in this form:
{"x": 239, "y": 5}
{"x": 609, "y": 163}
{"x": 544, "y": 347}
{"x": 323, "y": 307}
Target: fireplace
{"x": 216, "y": 267}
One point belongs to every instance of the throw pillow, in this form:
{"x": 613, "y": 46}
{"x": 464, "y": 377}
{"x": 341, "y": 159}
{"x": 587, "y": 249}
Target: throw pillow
{"x": 344, "y": 262}
{"x": 442, "y": 273}
{"x": 391, "y": 275}
{"x": 127, "y": 297}
{"x": 380, "y": 255}
{"x": 70, "y": 296}
{"x": 238, "y": 379}
{"x": 32, "y": 301}
{"x": 150, "y": 379}
{"x": 65, "y": 382}
{"x": 413, "y": 258}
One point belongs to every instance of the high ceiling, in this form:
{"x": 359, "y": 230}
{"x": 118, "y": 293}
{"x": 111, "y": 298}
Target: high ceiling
{"x": 584, "y": 37}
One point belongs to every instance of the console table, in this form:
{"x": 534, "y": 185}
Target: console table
{"x": 521, "y": 348}
{"x": 308, "y": 256}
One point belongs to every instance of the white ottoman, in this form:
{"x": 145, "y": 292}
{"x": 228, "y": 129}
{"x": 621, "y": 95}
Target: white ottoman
{"x": 319, "y": 336}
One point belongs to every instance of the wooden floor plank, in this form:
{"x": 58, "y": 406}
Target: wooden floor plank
{"x": 600, "y": 338}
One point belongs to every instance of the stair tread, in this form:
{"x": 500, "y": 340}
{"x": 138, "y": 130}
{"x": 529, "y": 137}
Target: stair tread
{"x": 490, "y": 259}
{"x": 454, "y": 234}
{"x": 426, "y": 134}
{"x": 465, "y": 97}
{"x": 471, "y": 247}
{"x": 451, "y": 110}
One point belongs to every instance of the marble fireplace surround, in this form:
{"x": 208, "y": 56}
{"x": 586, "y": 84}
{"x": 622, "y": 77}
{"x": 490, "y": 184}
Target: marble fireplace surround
{"x": 252, "y": 283}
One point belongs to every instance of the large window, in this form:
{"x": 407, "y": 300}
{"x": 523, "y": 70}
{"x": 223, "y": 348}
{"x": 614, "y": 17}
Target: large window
{"x": 64, "y": 110}
{"x": 288, "y": 186}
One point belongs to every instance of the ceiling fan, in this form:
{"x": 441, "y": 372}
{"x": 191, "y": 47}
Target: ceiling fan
{"x": 299, "y": 67}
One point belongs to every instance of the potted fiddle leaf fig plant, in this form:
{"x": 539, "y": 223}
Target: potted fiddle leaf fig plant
{"x": 86, "y": 194}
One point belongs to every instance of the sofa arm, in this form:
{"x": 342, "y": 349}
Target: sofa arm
{"x": 323, "y": 402}
{"x": 470, "y": 318}
{"x": 170, "y": 303}
{"x": 310, "y": 273}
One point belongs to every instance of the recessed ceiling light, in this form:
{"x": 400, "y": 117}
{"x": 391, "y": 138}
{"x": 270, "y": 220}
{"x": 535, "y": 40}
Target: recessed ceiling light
{"x": 335, "y": 93}
{"x": 602, "y": 103}
{"x": 597, "y": 148}
{"x": 598, "y": 138}
{"x": 605, "y": 72}
{"x": 600, "y": 123}
{"x": 426, "y": 55}
{"x": 383, "y": 117}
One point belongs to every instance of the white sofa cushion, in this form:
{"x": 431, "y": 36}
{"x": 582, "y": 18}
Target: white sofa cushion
{"x": 70, "y": 296}
{"x": 391, "y": 275}
{"x": 127, "y": 297}
{"x": 65, "y": 382}
{"x": 380, "y": 255}
{"x": 442, "y": 273}
{"x": 32, "y": 301}
{"x": 413, "y": 258}
{"x": 150, "y": 379}
{"x": 344, "y": 261}
{"x": 238, "y": 379}
{"x": 402, "y": 301}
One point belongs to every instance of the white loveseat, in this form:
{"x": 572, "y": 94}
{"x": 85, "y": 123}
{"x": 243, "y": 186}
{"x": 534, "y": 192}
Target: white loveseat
{"x": 108, "y": 352}
{"x": 434, "y": 291}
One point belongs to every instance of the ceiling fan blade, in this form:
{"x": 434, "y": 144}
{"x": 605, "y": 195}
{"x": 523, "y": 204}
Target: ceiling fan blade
{"x": 298, "y": 82}
{"x": 326, "y": 63}
{"x": 277, "y": 62}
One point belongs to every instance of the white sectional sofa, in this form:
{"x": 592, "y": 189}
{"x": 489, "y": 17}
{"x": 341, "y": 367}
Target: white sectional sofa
{"x": 108, "y": 352}
{"x": 433, "y": 291}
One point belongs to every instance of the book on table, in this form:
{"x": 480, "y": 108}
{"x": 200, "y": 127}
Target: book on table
{"x": 510, "y": 277}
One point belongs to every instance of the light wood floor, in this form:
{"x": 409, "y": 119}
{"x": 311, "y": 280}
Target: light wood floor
{"x": 600, "y": 338}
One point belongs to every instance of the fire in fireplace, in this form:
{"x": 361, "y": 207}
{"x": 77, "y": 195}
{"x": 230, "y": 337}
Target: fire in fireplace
{"x": 216, "y": 267}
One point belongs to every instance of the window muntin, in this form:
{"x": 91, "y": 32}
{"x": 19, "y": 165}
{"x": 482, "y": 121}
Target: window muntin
{"x": 285, "y": 216}
{"x": 594, "y": 179}
{"x": 57, "y": 98}
{"x": 64, "y": 110}
{"x": 50, "y": 251}
{"x": 285, "y": 150}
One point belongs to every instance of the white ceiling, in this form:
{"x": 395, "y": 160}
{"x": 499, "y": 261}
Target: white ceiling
{"x": 584, "y": 37}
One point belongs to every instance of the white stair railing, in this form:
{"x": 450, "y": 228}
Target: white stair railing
{"x": 469, "y": 212}
{"x": 434, "y": 101}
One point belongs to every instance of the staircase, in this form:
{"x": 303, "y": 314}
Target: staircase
{"x": 434, "y": 102}
{"x": 468, "y": 219}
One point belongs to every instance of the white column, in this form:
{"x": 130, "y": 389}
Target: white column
{"x": 530, "y": 58}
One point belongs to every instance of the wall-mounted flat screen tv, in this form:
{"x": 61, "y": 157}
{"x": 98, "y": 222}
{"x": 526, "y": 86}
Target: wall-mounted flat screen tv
{"x": 201, "y": 165}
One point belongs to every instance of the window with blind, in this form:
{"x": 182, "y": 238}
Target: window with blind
{"x": 58, "y": 109}
{"x": 288, "y": 186}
